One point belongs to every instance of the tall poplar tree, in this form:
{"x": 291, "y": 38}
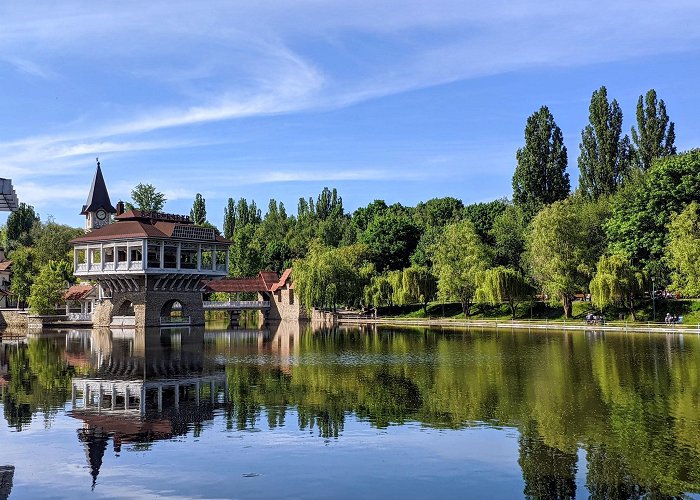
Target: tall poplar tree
{"x": 605, "y": 157}
{"x": 198, "y": 214}
{"x": 656, "y": 135}
{"x": 229, "y": 218}
{"x": 540, "y": 177}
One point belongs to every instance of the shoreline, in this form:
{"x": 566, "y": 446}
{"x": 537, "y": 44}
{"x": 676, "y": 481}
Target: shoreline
{"x": 526, "y": 325}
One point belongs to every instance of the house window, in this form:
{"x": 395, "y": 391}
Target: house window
{"x": 188, "y": 256}
{"x": 121, "y": 254}
{"x": 95, "y": 256}
{"x": 154, "y": 255}
{"x": 136, "y": 254}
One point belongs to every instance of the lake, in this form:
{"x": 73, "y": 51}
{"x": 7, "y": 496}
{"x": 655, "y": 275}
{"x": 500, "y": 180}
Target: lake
{"x": 371, "y": 412}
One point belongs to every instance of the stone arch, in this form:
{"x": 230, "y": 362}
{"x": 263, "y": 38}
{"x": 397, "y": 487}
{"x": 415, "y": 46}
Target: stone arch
{"x": 126, "y": 308}
{"x": 174, "y": 307}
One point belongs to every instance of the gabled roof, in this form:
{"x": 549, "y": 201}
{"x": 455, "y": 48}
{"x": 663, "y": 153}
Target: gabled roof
{"x": 283, "y": 280}
{"x": 5, "y": 265}
{"x": 98, "y": 197}
{"x": 135, "y": 228}
{"x": 265, "y": 281}
{"x": 78, "y": 292}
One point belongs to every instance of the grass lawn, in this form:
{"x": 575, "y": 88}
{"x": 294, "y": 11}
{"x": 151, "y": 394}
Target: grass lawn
{"x": 688, "y": 308}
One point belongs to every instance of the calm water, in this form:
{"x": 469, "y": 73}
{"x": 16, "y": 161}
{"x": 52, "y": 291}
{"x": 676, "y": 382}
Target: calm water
{"x": 349, "y": 413}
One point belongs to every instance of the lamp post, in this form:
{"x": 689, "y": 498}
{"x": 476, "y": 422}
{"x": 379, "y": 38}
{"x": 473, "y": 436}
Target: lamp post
{"x": 653, "y": 296}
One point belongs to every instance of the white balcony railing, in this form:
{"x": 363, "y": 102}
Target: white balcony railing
{"x": 79, "y": 316}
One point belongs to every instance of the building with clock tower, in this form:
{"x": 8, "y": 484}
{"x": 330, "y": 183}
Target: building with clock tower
{"x": 98, "y": 210}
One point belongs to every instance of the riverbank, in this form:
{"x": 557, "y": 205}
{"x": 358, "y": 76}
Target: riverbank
{"x": 575, "y": 325}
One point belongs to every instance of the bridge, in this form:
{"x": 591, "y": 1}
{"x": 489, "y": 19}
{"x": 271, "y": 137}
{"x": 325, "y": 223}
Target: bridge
{"x": 236, "y": 305}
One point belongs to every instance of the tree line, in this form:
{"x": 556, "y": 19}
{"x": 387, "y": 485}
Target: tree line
{"x": 633, "y": 218}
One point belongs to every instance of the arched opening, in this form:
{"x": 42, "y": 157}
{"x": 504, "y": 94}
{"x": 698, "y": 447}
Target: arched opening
{"x": 173, "y": 309}
{"x": 126, "y": 308}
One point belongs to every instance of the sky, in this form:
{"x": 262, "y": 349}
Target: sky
{"x": 396, "y": 100}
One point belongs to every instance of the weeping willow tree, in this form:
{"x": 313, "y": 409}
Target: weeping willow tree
{"x": 503, "y": 284}
{"x": 616, "y": 282}
{"x": 419, "y": 285}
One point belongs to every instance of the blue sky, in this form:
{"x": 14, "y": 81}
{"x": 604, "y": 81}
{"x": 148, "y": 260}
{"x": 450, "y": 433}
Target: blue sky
{"x": 398, "y": 100}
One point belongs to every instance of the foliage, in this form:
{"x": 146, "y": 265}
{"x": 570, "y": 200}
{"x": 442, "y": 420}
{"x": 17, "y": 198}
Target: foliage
{"x": 19, "y": 226}
{"x": 459, "y": 260}
{"x": 563, "y": 246}
{"x": 52, "y": 243}
{"x": 331, "y": 276}
{"x": 438, "y": 212}
{"x": 145, "y": 197}
{"x": 483, "y": 216}
{"x": 47, "y": 289}
{"x": 503, "y": 284}
{"x": 642, "y": 211}
{"x": 391, "y": 238}
{"x": 24, "y": 269}
{"x": 616, "y": 282}
{"x": 683, "y": 251}
{"x": 419, "y": 285}
{"x": 605, "y": 157}
{"x": 198, "y": 214}
{"x": 229, "y": 218}
{"x": 508, "y": 236}
{"x": 656, "y": 135}
{"x": 540, "y": 176}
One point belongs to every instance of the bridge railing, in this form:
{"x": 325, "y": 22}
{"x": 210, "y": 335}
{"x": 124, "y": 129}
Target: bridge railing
{"x": 237, "y": 304}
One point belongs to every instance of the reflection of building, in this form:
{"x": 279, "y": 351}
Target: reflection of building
{"x": 5, "y": 280}
{"x": 142, "y": 386}
{"x": 145, "y": 262}
{"x": 7, "y": 472}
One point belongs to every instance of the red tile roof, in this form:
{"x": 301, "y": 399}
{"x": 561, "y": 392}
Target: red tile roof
{"x": 5, "y": 265}
{"x": 283, "y": 280}
{"x": 133, "y": 228}
{"x": 265, "y": 281}
{"x": 77, "y": 292}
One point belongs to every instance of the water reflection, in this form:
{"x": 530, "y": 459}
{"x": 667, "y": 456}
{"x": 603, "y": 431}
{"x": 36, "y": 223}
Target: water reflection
{"x": 629, "y": 404}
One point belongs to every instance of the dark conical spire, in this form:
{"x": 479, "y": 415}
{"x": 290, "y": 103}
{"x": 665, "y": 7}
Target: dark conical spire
{"x": 98, "y": 197}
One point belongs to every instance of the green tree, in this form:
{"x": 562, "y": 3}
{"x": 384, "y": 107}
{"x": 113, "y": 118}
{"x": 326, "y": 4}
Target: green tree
{"x": 605, "y": 157}
{"x": 24, "y": 270}
{"x": 564, "y": 243}
{"x": 419, "y": 285}
{"x": 198, "y": 214}
{"x": 616, "y": 282}
{"x": 540, "y": 176}
{"x": 459, "y": 260}
{"x": 483, "y": 216}
{"x": 683, "y": 251}
{"x": 391, "y": 237}
{"x": 52, "y": 243}
{"x": 502, "y": 284}
{"x": 229, "y": 219}
{"x": 19, "y": 225}
{"x": 438, "y": 212}
{"x": 656, "y": 135}
{"x": 47, "y": 289}
{"x": 146, "y": 198}
{"x": 508, "y": 236}
{"x": 642, "y": 211}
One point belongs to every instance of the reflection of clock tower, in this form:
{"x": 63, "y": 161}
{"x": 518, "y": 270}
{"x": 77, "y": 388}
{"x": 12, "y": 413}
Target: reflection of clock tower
{"x": 98, "y": 209}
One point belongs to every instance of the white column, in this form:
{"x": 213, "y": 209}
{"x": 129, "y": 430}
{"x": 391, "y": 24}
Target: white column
{"x": 179, "y": 254}
{"x": 126, "y": 397}
{"x": 213, "y": 257}
{"x": 144, "y": 254}
{"x": 227, "y": 259}
{"x": 128, "y": 256}
{"x": 102, "y": 257}
{"x": 162, "y": 254}
{"x": 199, "y": 257}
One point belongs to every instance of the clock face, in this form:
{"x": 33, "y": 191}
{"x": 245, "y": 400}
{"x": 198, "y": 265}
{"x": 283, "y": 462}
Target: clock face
{"x": 101, "y": 214}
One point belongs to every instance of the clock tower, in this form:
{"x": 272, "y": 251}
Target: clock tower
{"x": 98, "y": 209}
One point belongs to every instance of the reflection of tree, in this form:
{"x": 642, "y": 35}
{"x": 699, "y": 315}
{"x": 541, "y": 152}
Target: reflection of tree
{"x": 38, "y": 382}
{"x": 548, "y": 472}
{"x": 633, "y": 402}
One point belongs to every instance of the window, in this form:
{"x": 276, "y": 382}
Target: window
{"x": 95, "y": 256}
{"x": 170, "y": 257}
{"x": 154, "y": 255}
{"x": 207, "y": 258}
{"x": 188, "y": 256}
{"x": 121, "y": 254}
{"x": 136, "y": 254}
{"x": 81, "y": 255}
{"x": 109, "y": 254}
